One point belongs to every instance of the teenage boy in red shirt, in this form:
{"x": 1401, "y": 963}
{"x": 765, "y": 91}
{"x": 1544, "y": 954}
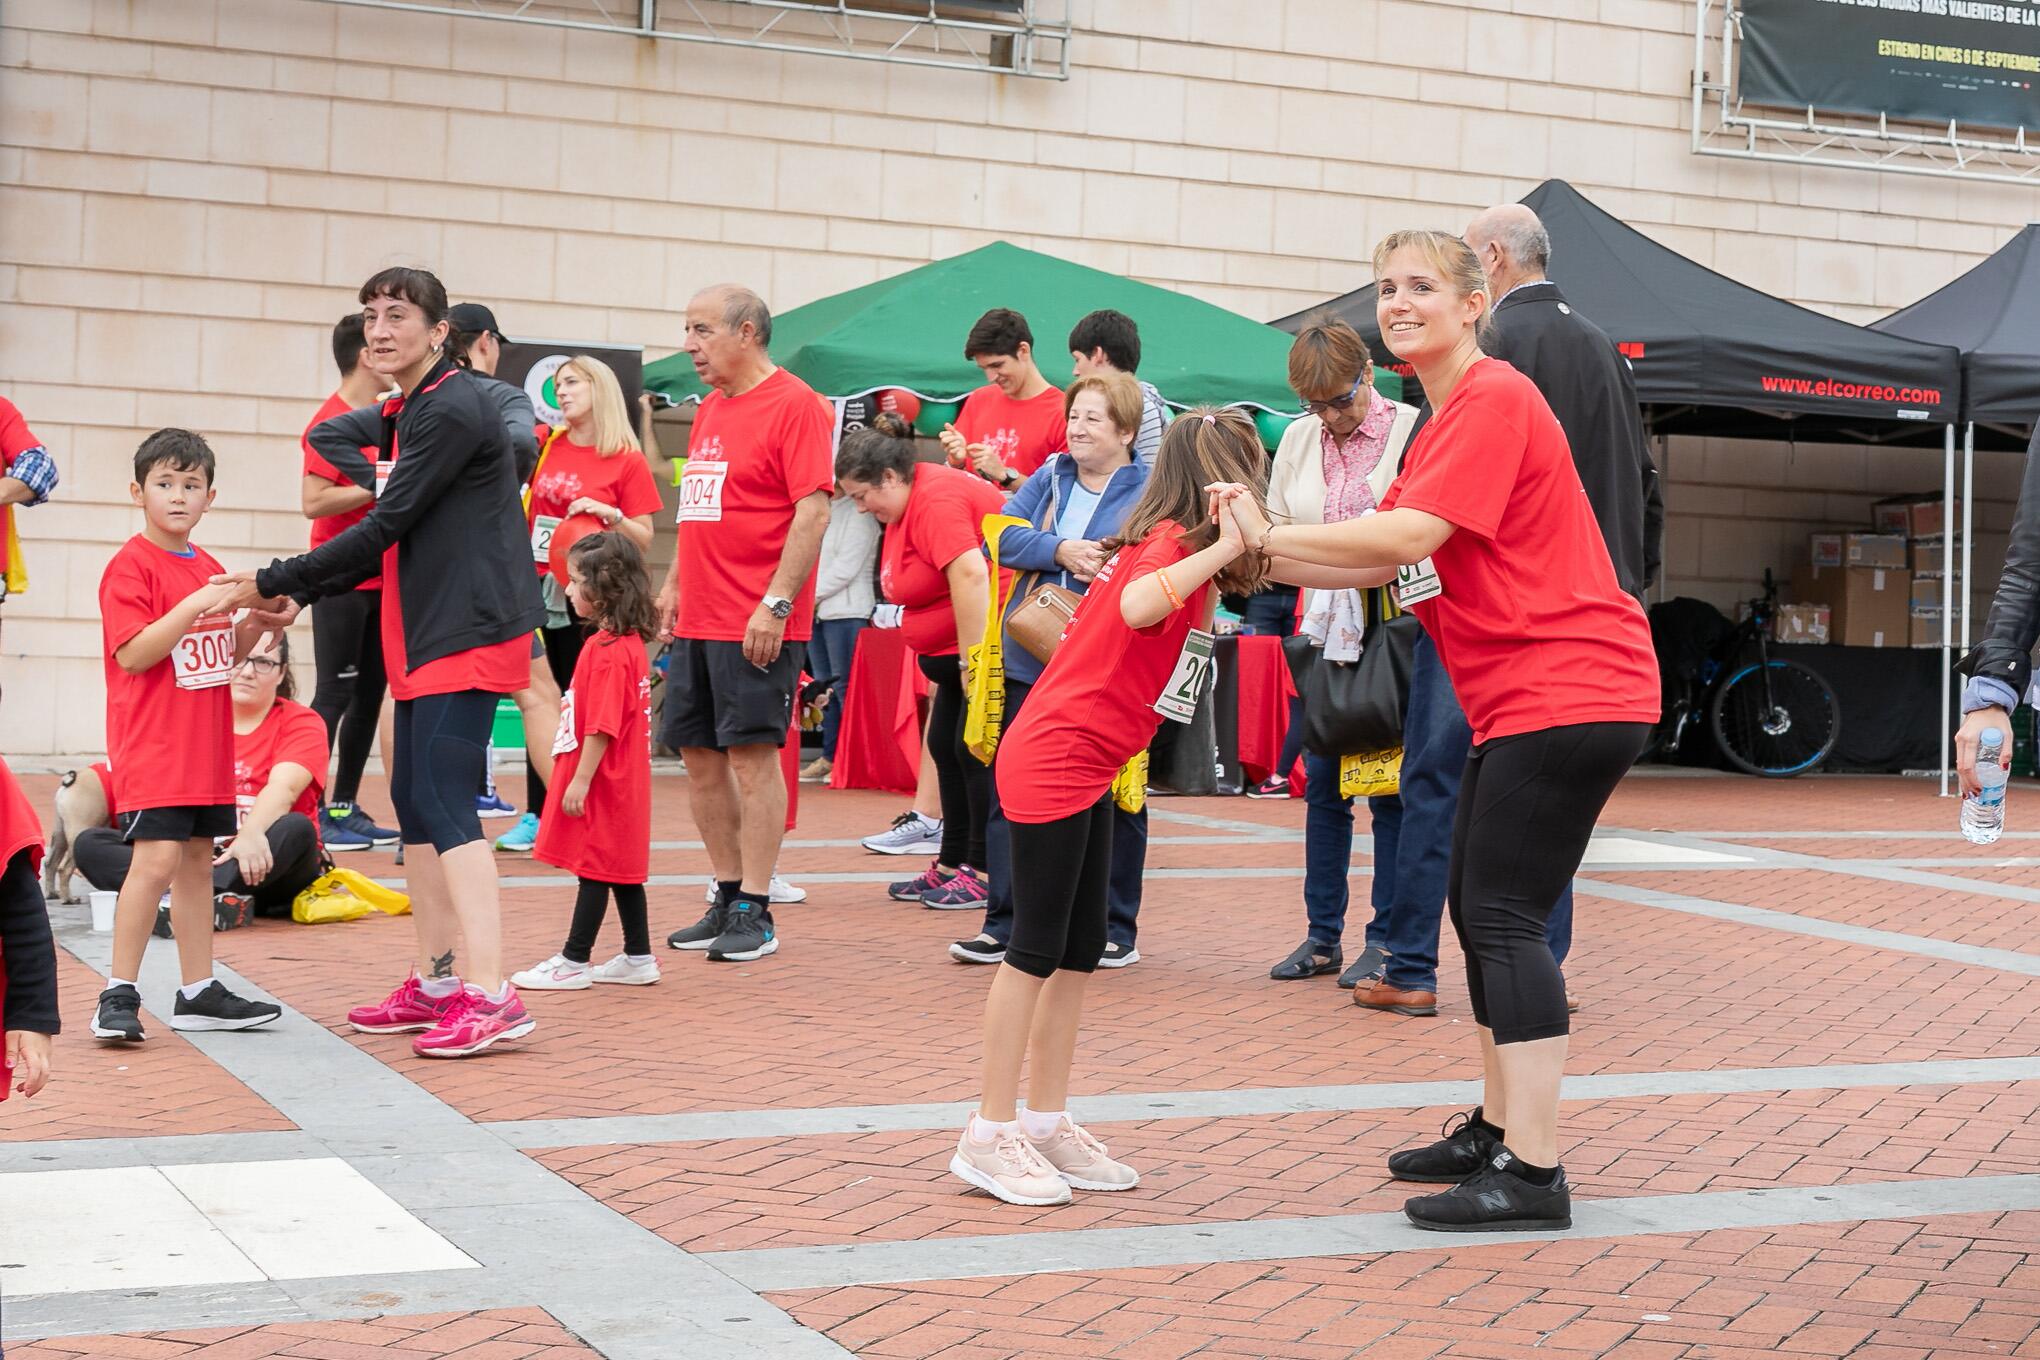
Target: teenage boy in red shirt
{"x": 1009, "y": 427}
{"x": 170, "y": 653}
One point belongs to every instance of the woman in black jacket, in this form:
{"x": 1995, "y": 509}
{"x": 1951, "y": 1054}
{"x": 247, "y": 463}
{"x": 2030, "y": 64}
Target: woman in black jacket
{"x": 2000, "y": 666}
{"x": 447, "y": 534}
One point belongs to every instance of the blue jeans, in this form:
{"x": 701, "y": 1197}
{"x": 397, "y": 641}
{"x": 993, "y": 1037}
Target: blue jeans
{"x": 829, "y": 653}
{"x": 1436, "y": 740}
{"x": 1129, "y": 860}
{"x": 1328, "y": 849}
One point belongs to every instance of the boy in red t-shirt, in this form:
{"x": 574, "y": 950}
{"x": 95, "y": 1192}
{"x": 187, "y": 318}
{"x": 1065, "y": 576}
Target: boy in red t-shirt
{"x": 1009, "y": 427}
{"x": 170, "y": 653}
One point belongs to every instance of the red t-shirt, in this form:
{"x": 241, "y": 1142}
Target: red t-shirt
{"x": 332, "y": 526}
{"x": 288, "y": 732}
{"x": 944, "y": 520}
{"x": 169, "y": 746}
{"x": 1530, "y": 622}
{"x": 15, "y": 439}
{"x": 1022, "y": 433}
{"x": 567, "y": 471}
{"x": 1093, "y": 707}
{"x": 749, "y": 460}
{"x": 611, "y": 693}
{"x": 19, "y": 830}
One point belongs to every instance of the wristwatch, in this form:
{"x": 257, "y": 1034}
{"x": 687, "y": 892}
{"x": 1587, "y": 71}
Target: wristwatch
{"x": 780, "y": 606}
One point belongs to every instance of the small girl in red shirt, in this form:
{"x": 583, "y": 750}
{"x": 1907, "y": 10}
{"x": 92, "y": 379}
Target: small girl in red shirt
{"x": 598, "y": 809}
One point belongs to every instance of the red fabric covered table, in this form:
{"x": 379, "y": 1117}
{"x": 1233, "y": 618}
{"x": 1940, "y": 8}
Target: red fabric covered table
{"x": 1265, "y": 690}
{"x": 878, "y": 736}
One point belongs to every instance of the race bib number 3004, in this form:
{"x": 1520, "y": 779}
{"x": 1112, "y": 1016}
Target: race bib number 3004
{"x": 204, "y": 657}
{"x": 701, "y": 490}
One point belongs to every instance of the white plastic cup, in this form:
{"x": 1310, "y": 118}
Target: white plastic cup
{"x": 102, "y": 911}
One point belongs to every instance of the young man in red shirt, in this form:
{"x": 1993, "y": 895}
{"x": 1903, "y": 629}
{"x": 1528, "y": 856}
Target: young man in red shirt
{"x": 739, "y": 605}
{"x": 1009, "y": 427}
{"x": 171, "y": 649}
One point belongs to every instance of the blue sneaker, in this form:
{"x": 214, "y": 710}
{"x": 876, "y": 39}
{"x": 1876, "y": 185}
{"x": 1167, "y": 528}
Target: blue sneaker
{"x": 337, "y": 836}
{"x": 520, "y": 838}
{"x": 360, "y": 823}
{"x": 488, "y": 805}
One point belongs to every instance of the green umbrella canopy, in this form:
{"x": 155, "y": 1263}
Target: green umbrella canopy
{"x": 908, "y": 331}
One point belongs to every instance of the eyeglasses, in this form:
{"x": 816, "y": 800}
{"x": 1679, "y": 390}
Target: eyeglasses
{"x": 264, "y": 665}
{"x": 1318, "y": 408}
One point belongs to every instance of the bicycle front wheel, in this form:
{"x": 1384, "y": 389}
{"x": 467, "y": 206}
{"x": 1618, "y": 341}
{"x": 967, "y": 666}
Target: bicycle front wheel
{"x": 1776, "y": 719}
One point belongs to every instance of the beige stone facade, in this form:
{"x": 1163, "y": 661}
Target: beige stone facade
{"x": 194, "y": 188}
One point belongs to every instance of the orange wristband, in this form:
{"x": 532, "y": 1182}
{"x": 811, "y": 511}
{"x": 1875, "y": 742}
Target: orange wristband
{"x": 1175, "y": 600}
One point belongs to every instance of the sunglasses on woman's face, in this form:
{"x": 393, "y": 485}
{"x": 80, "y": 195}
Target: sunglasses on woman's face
{"x": 263, "y": 665}
{"x": 1345, "y": 403}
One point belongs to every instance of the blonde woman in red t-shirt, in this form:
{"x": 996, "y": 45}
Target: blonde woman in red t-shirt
{"x": 1136, "y": 651}
{"x": 1493, "y": 545}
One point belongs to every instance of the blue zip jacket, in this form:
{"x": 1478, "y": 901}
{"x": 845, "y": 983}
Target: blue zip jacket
{"x": 1032, "y": 550}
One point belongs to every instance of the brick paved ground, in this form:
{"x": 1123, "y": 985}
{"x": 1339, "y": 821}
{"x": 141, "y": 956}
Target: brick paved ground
{"x": 862, "y": 1008}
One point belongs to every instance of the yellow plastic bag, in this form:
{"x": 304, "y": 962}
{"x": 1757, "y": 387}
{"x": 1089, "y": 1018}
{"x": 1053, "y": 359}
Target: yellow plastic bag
{"x": 1129, "y": 786}
{"x": 987, "y": 711}
{"x": 1375, "y": 775}
{"x": 345, "y": 895}
{"x": 17, "y": 569}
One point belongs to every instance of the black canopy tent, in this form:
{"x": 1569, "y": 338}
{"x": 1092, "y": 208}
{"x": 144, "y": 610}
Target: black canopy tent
{"x": 1716, "y": 357}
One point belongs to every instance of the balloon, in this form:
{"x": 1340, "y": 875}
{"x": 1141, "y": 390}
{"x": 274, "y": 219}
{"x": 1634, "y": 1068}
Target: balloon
{"x": 566, "y": 534}
{"x": 900, "y": 402}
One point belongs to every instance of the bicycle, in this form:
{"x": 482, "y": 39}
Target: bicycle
{"x": 1768, "y": 717}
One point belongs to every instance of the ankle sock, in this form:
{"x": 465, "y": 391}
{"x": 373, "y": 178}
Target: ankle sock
{"x": 760, "y": 900}
{"x": 499, "y": 996}
{"x": 190, "y": 990}
{"x": 440, "y": 987}
{"x": 983, "y": 1130}
{"x": 1539, "y": 1176}
{"x": 640, "y": 959}
{"x": 1038, "y": 1124}
{"x": 726, "y": 891}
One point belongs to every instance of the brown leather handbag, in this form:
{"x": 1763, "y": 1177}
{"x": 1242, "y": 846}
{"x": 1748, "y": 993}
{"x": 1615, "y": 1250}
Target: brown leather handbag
{"x": 1037, "y": 622}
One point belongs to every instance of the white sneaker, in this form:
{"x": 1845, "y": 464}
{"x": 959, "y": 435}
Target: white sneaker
{"x": 556, "y": 974}
{"x": 910, "y": 834}
{"x": 781, "y": 892}
{"x": 1010, "y": 1168}
{"x": 622, "y": 971}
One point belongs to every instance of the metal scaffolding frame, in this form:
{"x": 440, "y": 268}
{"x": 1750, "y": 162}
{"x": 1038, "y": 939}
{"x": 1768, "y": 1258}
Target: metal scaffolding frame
{"x": 1722, "y": 127}
{"x": 998, "y": 37}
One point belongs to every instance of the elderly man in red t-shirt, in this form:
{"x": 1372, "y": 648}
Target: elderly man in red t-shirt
{"x": 739, "y": 605}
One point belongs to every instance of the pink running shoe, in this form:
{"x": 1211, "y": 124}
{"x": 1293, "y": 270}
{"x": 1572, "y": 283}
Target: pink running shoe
{"x": 406, "y": 1009}
{"x": 473, "y": 1023}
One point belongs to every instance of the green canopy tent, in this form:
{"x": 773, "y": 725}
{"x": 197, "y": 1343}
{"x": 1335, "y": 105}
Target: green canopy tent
{"x": 907, "y": 332}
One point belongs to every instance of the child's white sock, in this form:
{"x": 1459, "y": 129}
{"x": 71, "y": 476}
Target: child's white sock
{"x": 439, "y": 986}
{"x": 641, "y": 959}
{"x": 111, "y": 983}
{"x": 190, "y": 990}
{"x": 983, "y": 1130}
{"x": 1036, "y": 1124}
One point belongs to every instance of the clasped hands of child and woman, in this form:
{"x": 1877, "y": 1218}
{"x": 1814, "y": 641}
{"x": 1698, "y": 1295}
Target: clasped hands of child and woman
{"x": 1236, "y": 512}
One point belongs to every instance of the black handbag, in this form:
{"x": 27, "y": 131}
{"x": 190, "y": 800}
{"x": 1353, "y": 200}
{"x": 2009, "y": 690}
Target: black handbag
{"x": 1356, "y": 707}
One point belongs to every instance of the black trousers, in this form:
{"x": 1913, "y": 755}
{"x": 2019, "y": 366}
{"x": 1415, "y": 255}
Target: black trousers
{"x": 562, "y": 652}
{"x": 965, "y": 781}
{"x": 1527, "y": 805}
{"x": 1062, "y": 874}
{"x": 104, "y": 857}
{"x": 347, "y": 653}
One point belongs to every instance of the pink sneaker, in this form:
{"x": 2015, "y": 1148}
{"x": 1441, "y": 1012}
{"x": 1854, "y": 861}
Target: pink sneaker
{"x": 406, "y": 1009}
{"x": 473, "y": 1024}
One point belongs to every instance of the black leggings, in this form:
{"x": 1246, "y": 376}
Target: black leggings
{"x": 1062, "y": 874}
{"x": 589, "y": 905}
{"x": 965, "y": 781}
{"x": 441, "y": 745}
{"x": 347, "y": 652}
{"x": 104, "y": 856}
{"x": 562, "y": 650}
{"x": 1527, "y": 805}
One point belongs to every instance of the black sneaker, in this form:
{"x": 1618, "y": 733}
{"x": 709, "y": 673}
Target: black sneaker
{"x": 749, "y": 935}
{"x": 978, "y": 949}
{"x": 119, "y": 1015}
{"x": 1463, "y": 1150}
{"x": 161, "y": 930}
{"x": 702, "y": 933}
{"x": 1118, "y": 955}
{"x": 216, "y": 1008}
{"x": 1370, "y": 968}
{"x": 361, "y": 824}
{"x": 1496, "y": 1199}
{"x": 232, "y": 910}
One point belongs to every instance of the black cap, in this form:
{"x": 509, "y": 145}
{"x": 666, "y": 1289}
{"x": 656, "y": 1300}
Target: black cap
{"x": 472, "y": 318}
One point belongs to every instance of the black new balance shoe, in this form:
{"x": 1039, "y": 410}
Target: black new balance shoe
{"x": 1463, "y": 1150}
{"x": 1496, "y": 1199}
{"x": 702, "y": 933}
{"x": 216, "y": 1008}
{"x": 119, "y": 1015}
{"x": 748, "y": 936}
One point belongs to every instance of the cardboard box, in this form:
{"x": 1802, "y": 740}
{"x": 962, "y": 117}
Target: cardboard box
{"x": 1824, "y": 550}
{"x": 1924, "y": 555}
{"x": 1927, "y": 519}
{"x": 1918, "y": 516}
{"x": 1926, "y": 594}
{"x": 1801, "y": 623}
{"x": 1893, "y": 516}
{"x": 1868, "y": 606}
{"x": 1874, "y": 550}
{"x": 1926, "y": 628}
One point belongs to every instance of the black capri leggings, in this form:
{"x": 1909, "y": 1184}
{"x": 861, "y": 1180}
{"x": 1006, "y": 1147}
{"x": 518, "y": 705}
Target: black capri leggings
{"x": 964, "y": 780}
{"x": 347, "y": 654}
{"x": 1527, "y": 804}
{"x": 441, "y": 745}
{"x": 590, "y": 902}
{"x": 1062, "y": 875}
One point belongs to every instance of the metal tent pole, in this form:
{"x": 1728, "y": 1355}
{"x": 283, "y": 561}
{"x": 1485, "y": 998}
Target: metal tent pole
{"x": 1947, "y": 596}
{"x": 1968, "y": 514}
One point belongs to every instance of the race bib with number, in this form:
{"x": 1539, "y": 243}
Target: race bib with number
{"x": 1179, "y": 697}
{"x": 1417, "y": 581}
{"x": 564, "y": 739}
{"x": 382, "y": 478}
{"x": 701, "y": 488}
{"x": 204, "y": 657}
{"x": 244, "y": 803}
{"x": 542, "y": 527}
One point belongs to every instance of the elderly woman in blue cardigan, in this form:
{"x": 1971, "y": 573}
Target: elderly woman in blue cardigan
{"x": 1073, "y": 502}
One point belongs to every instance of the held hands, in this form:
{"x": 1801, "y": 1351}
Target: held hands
{"x": 574, "y": 801}
{"x": 29, "y": 1055}
{"x": 1082, "y": 558}
{"x": 1970, "y": 738}
{"x": 762, "y": 637}
{"x": 1238, "y": 517}
{"x": 240, "y": 592}
{"x": 252, "y": 854}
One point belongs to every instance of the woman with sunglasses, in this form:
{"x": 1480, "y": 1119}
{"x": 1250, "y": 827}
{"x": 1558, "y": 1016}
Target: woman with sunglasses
{"x": 279, "y": 775}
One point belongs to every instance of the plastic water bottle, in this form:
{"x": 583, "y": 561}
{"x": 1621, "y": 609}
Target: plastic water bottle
{"x": 1983, "y": 812}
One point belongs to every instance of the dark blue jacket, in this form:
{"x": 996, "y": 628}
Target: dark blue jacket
{"x": 1032, "y": 551}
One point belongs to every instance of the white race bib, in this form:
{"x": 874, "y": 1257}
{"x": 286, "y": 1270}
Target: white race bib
{"x": 564, "y": 739}
{"x": 382, "y": 477}
{"x": 1417, "y": 581}
{"x": 244, "y": 803}
{"x": 204, "y": 657}
{"x": 1179, "y": 697}
{"x": 542, "y": 527}
{"x": 701, "y": 488}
